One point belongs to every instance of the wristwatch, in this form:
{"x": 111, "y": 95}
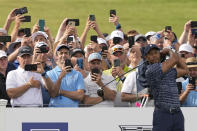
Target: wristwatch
{"x": 45, "y": 75}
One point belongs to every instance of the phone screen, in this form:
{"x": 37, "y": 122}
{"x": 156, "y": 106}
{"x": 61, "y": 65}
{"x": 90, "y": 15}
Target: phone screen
{"x": 41, "y": 24}
{"x": 112, "y": 12}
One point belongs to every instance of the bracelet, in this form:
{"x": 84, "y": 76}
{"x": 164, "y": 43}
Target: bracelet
{"x": 29, "y": 84}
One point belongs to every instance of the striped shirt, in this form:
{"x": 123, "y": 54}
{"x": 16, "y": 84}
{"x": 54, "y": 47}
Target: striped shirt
{"x": 163, "y": 86}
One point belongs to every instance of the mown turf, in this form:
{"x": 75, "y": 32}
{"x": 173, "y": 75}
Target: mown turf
{"x": 143, "y": 15}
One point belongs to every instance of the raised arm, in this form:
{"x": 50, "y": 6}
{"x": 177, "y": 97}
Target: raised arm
{"x": 9, "y": 20}
{"x": 184, "y": 35}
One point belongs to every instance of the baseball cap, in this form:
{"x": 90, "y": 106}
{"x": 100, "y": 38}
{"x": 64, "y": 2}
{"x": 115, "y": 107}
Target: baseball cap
{"x": 191, "y": 62}
{"x": 62, "y": 46}
{"x": 39, "y": 44}
{"x": 101, "y": 41}
{"x": 117, "y": 48}
{"x": 139, "y": 36}
{"x": 94, "y": 56}
{"x": 3, "y": 54}
{"x": 150, "y": 33}
{"x": 74, "y": 51}
{"x": 186, "y": 47}
{"x": 12, "y": 46}
{"x": 148, "y": 48}
{"x": 25, "y": 50}
{"x": 117, "y": 33}
{"x": 34, "y": 35}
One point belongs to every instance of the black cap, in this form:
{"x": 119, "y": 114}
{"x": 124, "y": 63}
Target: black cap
{"x": 62, "y": 46}
{"x": 148, "y": 48}
{"x": 74, "y": 51}
{"x": 25, "y": 50}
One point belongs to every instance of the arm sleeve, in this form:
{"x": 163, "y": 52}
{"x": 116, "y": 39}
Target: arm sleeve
{"x": 10, "y": 81}
{"x": 130, "y": 83}
{"x": 80, "y": 82}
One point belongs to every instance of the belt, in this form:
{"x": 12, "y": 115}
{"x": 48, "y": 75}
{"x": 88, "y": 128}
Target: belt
{"x": 171, "y": 110}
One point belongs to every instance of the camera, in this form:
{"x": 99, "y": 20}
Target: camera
{"x": 21, "y": 11}
{"x": 44, "y": 49}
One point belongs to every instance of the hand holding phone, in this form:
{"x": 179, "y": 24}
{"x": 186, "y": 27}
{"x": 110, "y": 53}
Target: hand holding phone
{"x": 168, "y": 28}
{"x": 68, "y": 65}
{"x": 116, "y": 62}
{"x": 26, "y": 18}
{"x": 93, "y": 38}
{"x": 21, "y": 11}
{"x": 27, "y": 32}
{"x": 192, "y": 80}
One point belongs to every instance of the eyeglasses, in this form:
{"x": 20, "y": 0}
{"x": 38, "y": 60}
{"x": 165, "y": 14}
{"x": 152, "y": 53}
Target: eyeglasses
{"x": 117, "y": 49}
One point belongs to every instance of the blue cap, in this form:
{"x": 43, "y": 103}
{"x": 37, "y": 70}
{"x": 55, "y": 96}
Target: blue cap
{"x": 62, "y": 46}
{"x": 148, "y": 48}
{"x": 94, "y": 56}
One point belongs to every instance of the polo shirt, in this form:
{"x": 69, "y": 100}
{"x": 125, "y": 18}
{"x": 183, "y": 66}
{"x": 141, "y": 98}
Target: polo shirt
{"x": 19, "y": 77}
{"x": 72, "y": 81}
{"x": 119, "y": 82}
{"x": 92, "y": 87}
{"x": 191, "y": 100}
{"x": 163, "y": 86}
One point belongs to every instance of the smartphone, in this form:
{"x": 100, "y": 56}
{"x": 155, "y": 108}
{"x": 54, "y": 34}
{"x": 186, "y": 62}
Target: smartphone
{"x": 31, "y": 67}
{"x": 70, "y": 39}
{"x": 192, "y": 80}
{"x": 194, "y": 24}
{"x": 93, "y": 38}
{"x": 104, "y": 48}
{"x": 21, "y": 11}
{"x": 41, "y": 24}
{"x": 27, "y": 32}
{"x": 5, "y": 38}
{"x": 168, "y": 28}
{"x": 76, "y": 21}
{"x": 194, "y": 32}
{"x": 131, "y": 41}
{"x": 27, "y": 18}
{"x": 95, "y": 70}
{"x": 92, "y": 17}
{"x": 117, "y": 40}
{"x": 116, "y": 62}
{"x": 80, "y": 63}
{"x": 112, "y": 12}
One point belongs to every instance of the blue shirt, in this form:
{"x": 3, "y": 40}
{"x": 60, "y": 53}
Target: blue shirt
{"x": 191, "y": 99}
{"x": 163, "y": 86}
{"x": 72, "y": 81}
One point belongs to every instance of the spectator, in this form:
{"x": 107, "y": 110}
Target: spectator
{"x": 148, "y": 35}
{"x": 140, "y": 40}
{"x": 96, "y": 81}
{"x": 186, "y": 51}
{"x": 69, "y": 85}
{"x": 4, "y": 69}
{"x": 132, "y": 33}
{"x": 24, "y": 87}
{"x": 188, "y": 96}
{"x": 117, "y": 52}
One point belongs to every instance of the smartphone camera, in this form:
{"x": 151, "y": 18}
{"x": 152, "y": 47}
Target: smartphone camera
{"x": 27, "y": 18}
{"x": 193, "y": 24}
{"x": 70, "y": 39}
{"x": 116, "y": 62}
{"x": 131, "y": 41}
{"x": 80, "y": 63}
{"x": 93, "y": 38}
{"x": 95, "y": 70}
{"x": 5, "y": 38}
{"x": 27, "y": 32}
{"x": 41, "y": 24}
{"x": 194, "y": 32}
{"x": 168, "y": 28}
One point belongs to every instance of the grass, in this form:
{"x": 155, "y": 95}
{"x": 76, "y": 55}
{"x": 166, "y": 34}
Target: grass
{"x": 142, "y": 15}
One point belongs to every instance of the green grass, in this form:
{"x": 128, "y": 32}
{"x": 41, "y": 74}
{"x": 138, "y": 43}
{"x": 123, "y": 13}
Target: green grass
{"x": 142, "y": 15}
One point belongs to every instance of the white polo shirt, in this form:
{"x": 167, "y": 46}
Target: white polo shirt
{"x": 92, "y": 87}
{"x": 33, "y": 96}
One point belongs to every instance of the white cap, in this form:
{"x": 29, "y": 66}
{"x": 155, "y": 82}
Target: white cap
{"x": 150, "y": 33}
{"x": 186, "y": 47}
{"x": 39, "y": 44}
{"x": 101, "y": 41}
{"x": 117, "y": 33}
{"x": 3, "y": 31}
{"x": 94, "y": 56}
{"x": 2, "y": 54}
{"x": 39, "y": 33}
